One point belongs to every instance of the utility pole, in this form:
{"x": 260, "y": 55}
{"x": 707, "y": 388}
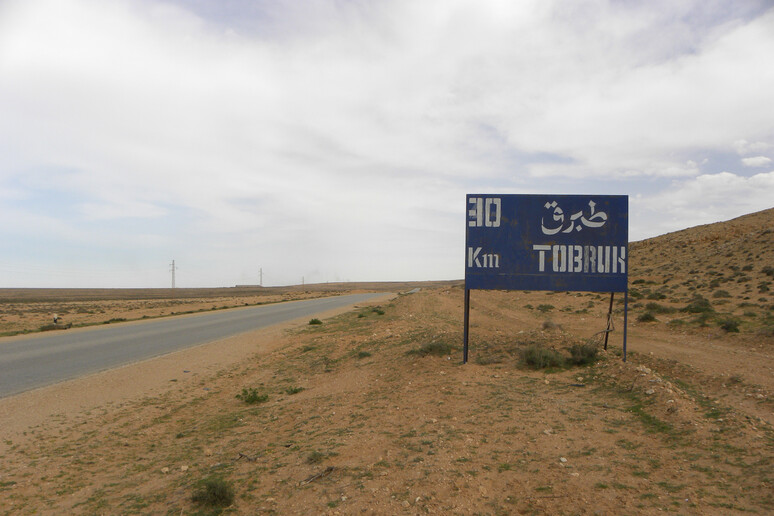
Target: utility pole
{"x": 260, "y": 282}
{"x": 172, "y": 268}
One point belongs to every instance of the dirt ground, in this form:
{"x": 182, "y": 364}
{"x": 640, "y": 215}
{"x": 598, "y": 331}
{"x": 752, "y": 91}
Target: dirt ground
{"x": 372, "y": 412}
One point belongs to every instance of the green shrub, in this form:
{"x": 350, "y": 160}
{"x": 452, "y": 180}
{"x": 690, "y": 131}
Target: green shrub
{"x": 363, "y": 354}
{"x": 315, "y": 321}
{"x": 538, "y": 357}
{"x": 545, "y": 308}
{"x": 659, "y": 309}
{"x": 251, "y": 396}
{"x": 721, "y": 293}
{"x": 583, "y": 354}
{"x": 293, "y": 390}
{"x": 646, "y": 317}
{"x": 438, "y": 348}
{"x": 730, "y": 325}
{"x": 698, "y": 305}
{"x": 214, "y": 492}
{"x": 701, "y": 319}
{"x": 315, "y": 457}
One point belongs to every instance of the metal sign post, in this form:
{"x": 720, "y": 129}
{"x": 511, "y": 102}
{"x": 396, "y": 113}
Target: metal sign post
{"x": 546, "y": 242}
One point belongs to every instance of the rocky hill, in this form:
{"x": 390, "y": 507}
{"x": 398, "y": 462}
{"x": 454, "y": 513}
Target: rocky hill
{"x": 724, "y": 269}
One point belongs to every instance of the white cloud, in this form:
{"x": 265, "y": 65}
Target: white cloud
{"x": 701, "y": 200}
{"x": 343, "y": 127}
{"x": 743, "y": 147}
{"x": 757, "y": 161}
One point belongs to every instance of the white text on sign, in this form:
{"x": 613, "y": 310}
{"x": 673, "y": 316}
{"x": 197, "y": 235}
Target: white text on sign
{"x": 592, "y": 259}
{"x": 481, "y": 260}
{"x": 484, "y": 212}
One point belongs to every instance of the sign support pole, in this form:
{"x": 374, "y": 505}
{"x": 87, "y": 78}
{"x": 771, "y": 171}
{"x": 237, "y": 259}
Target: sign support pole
{"x": 609, "y": 315}
{"x": 466, "y": 325}
{"x": 626, "y": 312}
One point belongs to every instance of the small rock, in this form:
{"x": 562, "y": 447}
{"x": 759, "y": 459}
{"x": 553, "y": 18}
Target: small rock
{"x": 183, "y": 468}
{"x": 650, "y": 391}
{"x": 165, "y": 470}
{"x": 562, "y": 460}
{"x": 548, "y": 431}
{"x": 207, "y": 452}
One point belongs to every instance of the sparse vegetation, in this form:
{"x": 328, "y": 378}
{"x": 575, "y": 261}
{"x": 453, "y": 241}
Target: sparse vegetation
{"x": 251, "y": 396}
{"x": 214, "y": 493}
{"x": 315, "y": 321}
{"x": 437, "y": 348}
{"x": 539, "y": 357}
{"x": 698, "y": 305}
{"x": 315, "y": 457}
{"x": 729, "y": 324}
{"x": 583, "y": 354}
{"x": 657, "y": 308}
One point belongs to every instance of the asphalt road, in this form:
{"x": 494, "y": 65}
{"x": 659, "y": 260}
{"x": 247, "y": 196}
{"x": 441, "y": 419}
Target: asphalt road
{"x": 28, "y": 363}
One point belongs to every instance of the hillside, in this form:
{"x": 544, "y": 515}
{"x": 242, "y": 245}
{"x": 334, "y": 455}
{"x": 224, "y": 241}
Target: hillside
{"x": 730, "y": 265}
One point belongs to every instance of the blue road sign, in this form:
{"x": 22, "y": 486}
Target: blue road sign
{"x": 547, "y": 242}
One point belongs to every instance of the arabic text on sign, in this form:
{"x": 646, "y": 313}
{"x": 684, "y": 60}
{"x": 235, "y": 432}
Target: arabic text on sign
{"x": 595, "y": 219}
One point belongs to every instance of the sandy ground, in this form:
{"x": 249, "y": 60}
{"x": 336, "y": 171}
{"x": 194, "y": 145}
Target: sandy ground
{"x": 359, "y": 419}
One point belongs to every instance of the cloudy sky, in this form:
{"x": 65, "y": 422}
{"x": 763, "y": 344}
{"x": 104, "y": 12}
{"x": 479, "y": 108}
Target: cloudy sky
{"x": 336, "y": 139}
